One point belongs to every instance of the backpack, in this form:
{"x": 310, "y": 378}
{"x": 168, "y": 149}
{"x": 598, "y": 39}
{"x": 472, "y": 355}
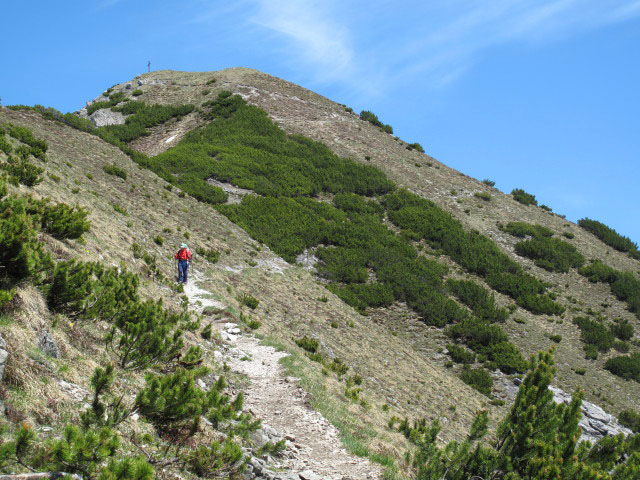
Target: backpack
{"x": 184, "y": 254}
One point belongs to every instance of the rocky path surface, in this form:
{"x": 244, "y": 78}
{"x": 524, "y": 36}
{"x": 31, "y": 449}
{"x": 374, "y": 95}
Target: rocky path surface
{"x": 314, "y": 450}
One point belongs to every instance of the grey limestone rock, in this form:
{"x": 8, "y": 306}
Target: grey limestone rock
{"x": 48, "y": 345}
{"x": 105, "y": 116}
{"x": 151, "y": 81}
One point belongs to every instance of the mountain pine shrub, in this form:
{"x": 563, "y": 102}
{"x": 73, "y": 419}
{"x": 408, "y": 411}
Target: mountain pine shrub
{"x": 146, "y": 335}
{"x": 552, "y": 254}
{"x": 460, "y": 354}
{"x": 50, "y": 113}
{"x": 249, "y": 301}
{"x": 91, "y": 290}
{"x": 608, "y": 235}
{"x": 373, "y": 119}
{"x": 478, "y": 299}
{"x": 243, "y": 146}
{"x": 523, "y": 197}
{"x": 474, "y": 252}
{"x": 483, "y": 196}
{"x": 115, "y": 170}
{"x": 491, "y": 341}
{"x": 630, "y": 419}
{"x": 106, "y": 410}
{"x": 211, "y": 255}
{"x": 311, "y": 345}
{"x": 477, "y": 378}
{"x": 523, "y": 229}
{"x": 174, "y": 403}
{"x": 91, "y": 453}
{"x": 60, "y": 220}
{"x": 538, "y": 439}
{"x": 415, "y": 146}
{"x": 37, "y": 146}
{"x": 5, "y": 146}
{"x": 594, "y": 332}
{"x": 624, "y": 285}
{"x": 625, "y": 366}
{"x": 23, "y": 171}
{"x": 21, "y": 253}
{"x": 622, "y": 329}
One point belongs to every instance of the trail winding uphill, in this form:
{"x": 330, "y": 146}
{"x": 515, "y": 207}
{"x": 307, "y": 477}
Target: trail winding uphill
{"x": 314, "y": 450}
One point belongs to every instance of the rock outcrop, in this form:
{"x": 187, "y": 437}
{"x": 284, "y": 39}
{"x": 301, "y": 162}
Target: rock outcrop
{"x": 595, "y": 422}
{"x": 105, "y": 116}
{"x": 48, "y": 345}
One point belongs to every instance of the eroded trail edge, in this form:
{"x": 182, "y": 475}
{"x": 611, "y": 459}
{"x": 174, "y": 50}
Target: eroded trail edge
{"x": 314, "y": 450}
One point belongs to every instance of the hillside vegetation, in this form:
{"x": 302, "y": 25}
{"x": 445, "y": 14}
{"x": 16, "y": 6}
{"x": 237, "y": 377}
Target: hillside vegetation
{"x": 421, "y": 282}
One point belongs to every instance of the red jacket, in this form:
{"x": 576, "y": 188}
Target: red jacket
{"x": 183, "y": 254}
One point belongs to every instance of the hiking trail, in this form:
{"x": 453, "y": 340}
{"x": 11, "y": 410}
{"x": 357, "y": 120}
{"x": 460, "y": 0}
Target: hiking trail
{"x": 314, "y": 450}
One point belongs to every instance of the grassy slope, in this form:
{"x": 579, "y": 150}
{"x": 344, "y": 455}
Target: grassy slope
{"x": 394, "y": 371}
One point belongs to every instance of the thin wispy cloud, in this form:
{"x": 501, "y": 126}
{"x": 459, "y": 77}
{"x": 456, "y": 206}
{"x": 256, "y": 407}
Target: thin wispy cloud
{"x": 440, "y": 39}
{"x": 315, "y": 39}
{"x": 107, "y": 4}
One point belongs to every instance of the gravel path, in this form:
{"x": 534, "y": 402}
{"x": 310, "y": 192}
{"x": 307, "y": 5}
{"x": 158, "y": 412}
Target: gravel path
{"x": 314, "y": 448}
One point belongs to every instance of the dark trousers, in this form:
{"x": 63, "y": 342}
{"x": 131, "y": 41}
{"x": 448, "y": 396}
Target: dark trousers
{"x": 183, "y": 266}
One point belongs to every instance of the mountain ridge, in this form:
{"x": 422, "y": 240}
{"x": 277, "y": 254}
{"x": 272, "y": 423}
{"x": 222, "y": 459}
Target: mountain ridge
{"x": 292, "y": 301}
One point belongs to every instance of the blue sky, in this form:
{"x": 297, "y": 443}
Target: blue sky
{"x": 536, "y": 94}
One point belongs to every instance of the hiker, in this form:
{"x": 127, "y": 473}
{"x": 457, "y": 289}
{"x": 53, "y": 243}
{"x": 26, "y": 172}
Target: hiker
{"x": 184, "y": 257}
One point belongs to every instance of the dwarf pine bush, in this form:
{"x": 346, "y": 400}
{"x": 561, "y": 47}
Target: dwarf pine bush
{"x": 624, "y": 285}
{"x": 23, "y": 171}
{"x": 91, "y": 290}
{"x": 115, "y": 170}
{"x": 523, "y": 197}
{"x": 37, "y": 146}
{"x": 477, "y": 378}
{"x": 174, "y": 403}
{"x": 552, "y": 254}
{"x": 630, "y": 419}
{"x": 60, "y": 220}
{"x": 460, "y": 354}
{"x": 21, "y": 253}
{"x": 523, "y": 229}
{"x": 594, "y": 332}
{"x": 415, "y": 146}
{"x": 311, "y": 345}
{"x": 540, "y": 446}
{"x": 146, "y": 335}
{"x": 608, "y": 235}
{"x": 373, "y": 119}
{"x": 625, "y": 366}
{"x": 243, "y": 146}
{"x": 478, "y": 299}
{"x": 114, "y": 99}
{"x": 249, "y": 301}
{"x": 475, "y": 252}
{"x": 491, "y": 341}
{"x": 622, "y": 329}
{"x": 211, "y": 255}
{"x": 50, "y": 113}
{"x": 90, "y": 453}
